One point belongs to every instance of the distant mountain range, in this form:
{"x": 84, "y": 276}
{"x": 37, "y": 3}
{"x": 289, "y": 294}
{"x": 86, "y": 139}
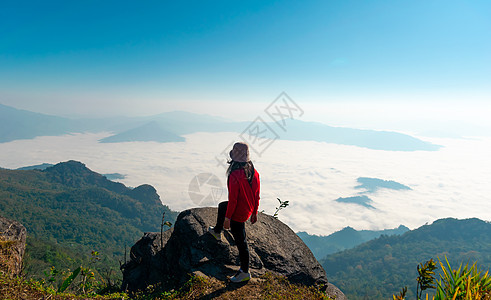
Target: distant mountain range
{"x": 347, "y": 238}
{"x": 18, "y": 124}
{"x": 381, "y": 267}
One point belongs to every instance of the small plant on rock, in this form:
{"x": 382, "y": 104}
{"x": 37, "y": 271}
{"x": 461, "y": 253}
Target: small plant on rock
{"x": 283, "y": 204}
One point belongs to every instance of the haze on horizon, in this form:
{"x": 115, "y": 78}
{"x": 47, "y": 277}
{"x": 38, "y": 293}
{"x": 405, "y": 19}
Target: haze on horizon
{"x": 378, "y": 64}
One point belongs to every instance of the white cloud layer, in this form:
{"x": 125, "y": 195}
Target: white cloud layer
{"x": 452, "y": 182}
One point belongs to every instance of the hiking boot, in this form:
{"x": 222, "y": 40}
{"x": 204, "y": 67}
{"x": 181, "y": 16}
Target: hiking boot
{"x": 241, "y": 276}
{"x": 217, "y": 236}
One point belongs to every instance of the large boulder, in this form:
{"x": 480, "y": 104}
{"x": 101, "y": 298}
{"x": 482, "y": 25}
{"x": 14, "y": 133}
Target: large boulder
{"x": 189, "y": 249}
{"x": 147, "y": 264}
{"x": 12, "y": 246}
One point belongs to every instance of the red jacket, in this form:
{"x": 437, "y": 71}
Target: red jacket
{"x": 243, "y": 199}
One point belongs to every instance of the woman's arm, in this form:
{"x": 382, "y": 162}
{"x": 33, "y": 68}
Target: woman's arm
{"x": 256, "y": 193}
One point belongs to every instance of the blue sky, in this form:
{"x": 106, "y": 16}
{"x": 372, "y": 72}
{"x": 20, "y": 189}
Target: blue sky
{"x": 142, "y": 57}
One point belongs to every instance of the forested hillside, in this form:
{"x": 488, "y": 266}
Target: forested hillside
{"x": 347, "y": 238}
{"x": 69, "y": 211}
{"x": 381, "y": 267}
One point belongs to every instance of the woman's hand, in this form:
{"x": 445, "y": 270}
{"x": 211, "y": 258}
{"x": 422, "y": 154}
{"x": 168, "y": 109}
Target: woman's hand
{"x": 226, "y": 223}
{"x": 253, "y": 219}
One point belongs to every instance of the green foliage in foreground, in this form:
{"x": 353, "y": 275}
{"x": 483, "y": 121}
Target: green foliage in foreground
{"x": 379, "y": 268}
{"x": 464, "y": 283}
{"x": 30, "y": 289}
{"x": 269, "y": 286}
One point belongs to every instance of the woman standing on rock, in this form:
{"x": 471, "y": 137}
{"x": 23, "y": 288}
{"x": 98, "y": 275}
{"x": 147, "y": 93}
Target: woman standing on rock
{"x": 243, "y": 202}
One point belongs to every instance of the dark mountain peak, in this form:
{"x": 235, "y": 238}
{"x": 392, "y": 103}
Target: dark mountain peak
{"x": 348, "y": 229}
{"x": 457, "y": 224}
{"x": 71, "y": 165}
{"x": 346, "y": 234}
{"x": 76, "y": 174}
{"x": 71, "y": 168}
{"x": 145, "y": 188}
{"x": 146, "y": 194}
{"x": 451, "y": 229}
{"x": 459, "y": 221}
{"x": 404, "y": 228}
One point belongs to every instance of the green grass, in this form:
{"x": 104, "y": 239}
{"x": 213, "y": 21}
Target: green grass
{"x": 269, "y": 286}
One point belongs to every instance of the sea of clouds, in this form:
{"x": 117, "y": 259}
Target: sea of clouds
{"x": 451, "y": 182}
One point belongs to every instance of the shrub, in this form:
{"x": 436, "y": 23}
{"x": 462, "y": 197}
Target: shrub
{"x": 464, "y": 283}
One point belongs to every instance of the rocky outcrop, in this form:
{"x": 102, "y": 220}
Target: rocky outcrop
{"x": 12, "y": 246}
{"x": 147, "y": 263}
{"x": 188, "y": 249}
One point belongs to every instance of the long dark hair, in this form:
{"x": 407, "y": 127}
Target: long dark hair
{"x": 247, "y": 166}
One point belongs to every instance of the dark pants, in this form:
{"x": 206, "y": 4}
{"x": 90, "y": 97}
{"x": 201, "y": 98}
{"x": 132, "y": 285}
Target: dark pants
{"x": 239, "y": 234}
